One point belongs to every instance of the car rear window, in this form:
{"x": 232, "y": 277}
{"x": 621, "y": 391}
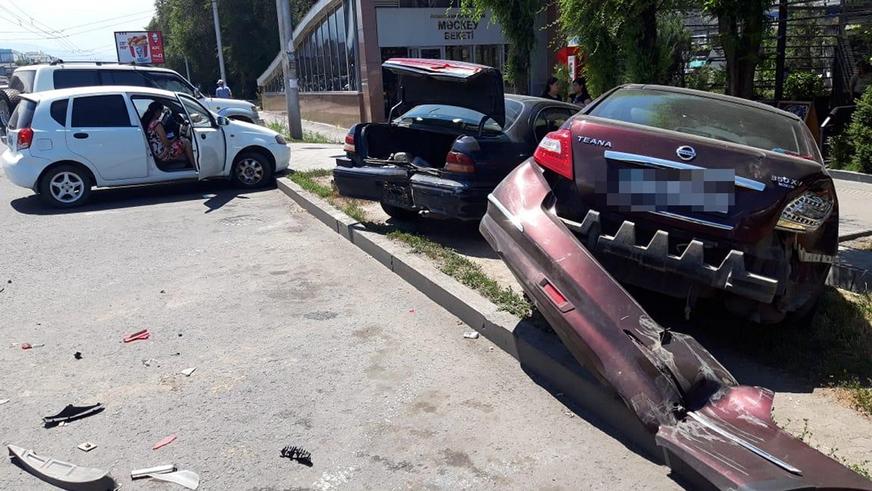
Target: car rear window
{"x": 22, "y": 116}
{"x": 59, "y": 111}
{"x": 707, "y": 117}
{"x": 22, "y": 81}
{"x": 65, "y": 79}
{"x": 100, "y": 111}
{"x": 458, "y": 117}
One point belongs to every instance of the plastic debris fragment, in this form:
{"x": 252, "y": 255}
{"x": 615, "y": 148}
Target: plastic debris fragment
{"x": 59, "y": 473}
{"x": 87, "y": 446}
{"x": 298, "y": 454}
{"x": 137, "y": 336}
{"x": 188, "y": 479}
{"x": 147, "y": 472}
{"x": 164, "y": 441}
{"x": 71, "y": 413}
{"x": 188, "y": 371}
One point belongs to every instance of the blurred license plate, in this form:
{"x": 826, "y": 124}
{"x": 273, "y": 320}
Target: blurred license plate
{"x": 700, "y": 190}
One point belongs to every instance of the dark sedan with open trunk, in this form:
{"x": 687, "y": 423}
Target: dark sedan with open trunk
{"x": 458, "y": 137}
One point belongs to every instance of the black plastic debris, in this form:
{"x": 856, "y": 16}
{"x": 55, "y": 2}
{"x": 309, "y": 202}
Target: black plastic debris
{"x": 77, "y": 355}
{"x": 298, "y": 454}
{"x": 72, "y": 413}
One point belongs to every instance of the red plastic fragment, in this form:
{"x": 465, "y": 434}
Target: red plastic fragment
{"x": 137, "y": 336}
{"x": 164, "y": 442}
{"x": 26, "y": 346}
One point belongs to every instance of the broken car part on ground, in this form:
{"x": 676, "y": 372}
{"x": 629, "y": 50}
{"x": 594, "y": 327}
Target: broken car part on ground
{"x": 72, "y": 413}
{"x": 59, "y": 473}
{"x": 697, "y": 413}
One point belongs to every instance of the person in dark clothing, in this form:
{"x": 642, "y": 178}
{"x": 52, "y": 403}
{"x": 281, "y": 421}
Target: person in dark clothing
{"x": 552, "y": 89}
{"x": 580, "y": 96}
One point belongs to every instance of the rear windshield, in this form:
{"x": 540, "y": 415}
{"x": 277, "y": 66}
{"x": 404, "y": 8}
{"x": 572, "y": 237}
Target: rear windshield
{"x": 22, "y": 81}
{"x": 22, "y": 116}
{"x": 458, "y": 118}
{"x": 708, "y": 117}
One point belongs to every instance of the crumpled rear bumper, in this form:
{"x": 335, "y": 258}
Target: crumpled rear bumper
{"x": 700, "y": 417}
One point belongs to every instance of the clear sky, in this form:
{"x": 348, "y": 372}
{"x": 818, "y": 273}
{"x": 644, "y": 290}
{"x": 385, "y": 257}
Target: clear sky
{"x": 70, "y": 29}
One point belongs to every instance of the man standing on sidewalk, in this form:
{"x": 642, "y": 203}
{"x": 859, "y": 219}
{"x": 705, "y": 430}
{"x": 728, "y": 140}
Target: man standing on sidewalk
{"x": 223, "y": 91}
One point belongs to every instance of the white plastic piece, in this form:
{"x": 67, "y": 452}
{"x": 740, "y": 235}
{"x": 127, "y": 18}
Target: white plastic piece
{"x": 188, "y": 479}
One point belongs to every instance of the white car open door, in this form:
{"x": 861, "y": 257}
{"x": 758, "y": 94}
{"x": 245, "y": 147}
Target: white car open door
{"x": 208, "y": 139}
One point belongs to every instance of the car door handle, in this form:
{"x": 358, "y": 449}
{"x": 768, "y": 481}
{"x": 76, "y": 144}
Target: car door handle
{"x": 203, "y": 136}
{"x": 80, "y": 136}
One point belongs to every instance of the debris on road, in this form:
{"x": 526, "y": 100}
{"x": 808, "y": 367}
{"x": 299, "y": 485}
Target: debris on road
{"x": 72, "y": 413}
{"x": 77, "y": 355}
{"x": 137, "y": 336}
{"x": 59, "y": 473}
{"x": 298, "y": 454}
{"x": 164, "y": 442}
{"x": 31, "y": 346}
{"x": 470, "y": 335}
{"x": 188, "y": 479}
{"x": 87, "y": 446}
{"x": 149, "y": 362}
{"x": 147, "y": 472}
{"x": 188, "y": 371}
{"x": 3, "y": 401}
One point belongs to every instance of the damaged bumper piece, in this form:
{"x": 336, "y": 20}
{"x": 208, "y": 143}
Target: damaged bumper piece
{"x": 698, "y": 414}
{"x": 405, "y": 188}
{"x": 730, "y": 275}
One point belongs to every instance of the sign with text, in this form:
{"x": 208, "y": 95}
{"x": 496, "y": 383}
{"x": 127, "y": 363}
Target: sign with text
{"x": 144, "y": 47}
{"x": 401, "y": 27}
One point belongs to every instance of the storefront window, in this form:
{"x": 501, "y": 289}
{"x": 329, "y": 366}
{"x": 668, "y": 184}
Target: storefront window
{"x": 489, "y": 55}
{"x": 458, "y": 53}
{"x": 326, "y": 53}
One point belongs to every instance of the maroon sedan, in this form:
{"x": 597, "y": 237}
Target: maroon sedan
{"x": 696, "y": 194}
{"x": 738, "y": 202}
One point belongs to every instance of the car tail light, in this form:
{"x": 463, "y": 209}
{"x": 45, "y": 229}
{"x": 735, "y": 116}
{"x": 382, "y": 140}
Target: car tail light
{"x": 349, "y": 146}
{"x": 25, "y": 138}
{"x": 807, "y": 212}
{"x": 555, "y": 152}
{"x": 459, "y": 162}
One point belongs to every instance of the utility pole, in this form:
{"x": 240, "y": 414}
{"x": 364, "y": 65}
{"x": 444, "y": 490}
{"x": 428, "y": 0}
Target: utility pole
{"x": 218, "y": 39}
{"x": 187, "y": 68}
{"x": 289, "y": 67}
{"x": 781, "y": 46}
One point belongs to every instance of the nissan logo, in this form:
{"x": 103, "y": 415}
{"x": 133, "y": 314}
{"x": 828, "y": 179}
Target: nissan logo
{"x": 686, "y": 152}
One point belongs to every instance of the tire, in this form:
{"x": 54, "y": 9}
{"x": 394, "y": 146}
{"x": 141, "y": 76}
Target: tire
{"x": 14, "y": 97}
{"x": 5, "y": 109}
{"x": 251, "y": 170}
{"x": 65, "y": 186}
{"x": 400, "y": 213}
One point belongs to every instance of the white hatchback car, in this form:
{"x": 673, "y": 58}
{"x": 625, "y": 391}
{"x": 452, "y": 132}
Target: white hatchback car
{"x": 61, "y": 143}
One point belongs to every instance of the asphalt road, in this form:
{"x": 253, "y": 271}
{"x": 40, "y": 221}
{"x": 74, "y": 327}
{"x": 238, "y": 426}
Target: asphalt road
{"x": 298, "y": 338}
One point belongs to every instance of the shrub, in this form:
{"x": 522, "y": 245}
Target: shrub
{"x": 803, "y": 86}
{"x": 860, "y": 133}
{"x": 840, "y": 151}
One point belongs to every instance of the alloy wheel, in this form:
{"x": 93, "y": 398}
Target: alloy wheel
{"x": 249, "y": 171}
{"x": 67, "y": 187}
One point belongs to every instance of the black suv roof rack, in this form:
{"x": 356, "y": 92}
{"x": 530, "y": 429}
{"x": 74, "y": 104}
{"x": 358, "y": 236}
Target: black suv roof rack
{"x": 92, "y": 62}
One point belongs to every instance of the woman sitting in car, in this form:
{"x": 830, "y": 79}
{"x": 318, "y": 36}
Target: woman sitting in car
{"x": 165, "y": 149}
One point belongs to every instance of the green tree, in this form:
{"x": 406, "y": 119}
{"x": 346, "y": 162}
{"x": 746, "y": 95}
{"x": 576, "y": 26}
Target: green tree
{"x": 860, "y": 134}
{"x": 517, "y": 18}
{"x": 740, "y": 29}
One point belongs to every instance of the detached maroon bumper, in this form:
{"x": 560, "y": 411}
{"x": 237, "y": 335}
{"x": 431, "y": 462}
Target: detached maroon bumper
{"x": 698, "y": 413}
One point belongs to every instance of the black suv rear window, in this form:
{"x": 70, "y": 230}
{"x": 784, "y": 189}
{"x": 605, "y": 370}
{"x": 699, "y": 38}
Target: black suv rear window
{"x": 100, "y": 111}
{"x": 22, "y": 116}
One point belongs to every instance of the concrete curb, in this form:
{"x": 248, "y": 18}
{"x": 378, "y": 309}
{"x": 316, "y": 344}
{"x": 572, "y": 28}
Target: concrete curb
{"x": 541, "y": 354}
{"x": 847, "y": 175}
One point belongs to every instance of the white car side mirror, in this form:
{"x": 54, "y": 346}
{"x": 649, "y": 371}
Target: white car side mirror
{"x": 222, "y": 121}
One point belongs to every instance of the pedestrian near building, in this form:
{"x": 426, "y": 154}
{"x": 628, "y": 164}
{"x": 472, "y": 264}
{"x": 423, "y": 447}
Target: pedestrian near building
{"x": 580, "y": 96}
{"x": 552, "y": 89}
{"x": 223, "y": 91}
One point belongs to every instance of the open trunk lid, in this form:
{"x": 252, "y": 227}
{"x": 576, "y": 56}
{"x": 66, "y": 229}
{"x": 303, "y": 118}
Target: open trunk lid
{"x": 453, "y": 83}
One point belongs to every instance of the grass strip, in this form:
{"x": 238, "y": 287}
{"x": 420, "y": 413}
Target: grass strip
{"x": 308, "y": 136}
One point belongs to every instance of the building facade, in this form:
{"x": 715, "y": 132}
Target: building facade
{"x": 340, "y": 45}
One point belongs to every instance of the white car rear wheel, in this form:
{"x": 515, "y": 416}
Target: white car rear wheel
{"x": 65, "y": 186}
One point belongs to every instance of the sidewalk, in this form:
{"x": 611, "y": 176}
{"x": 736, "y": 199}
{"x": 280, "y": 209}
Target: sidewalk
{"x": 333, "y": 133}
